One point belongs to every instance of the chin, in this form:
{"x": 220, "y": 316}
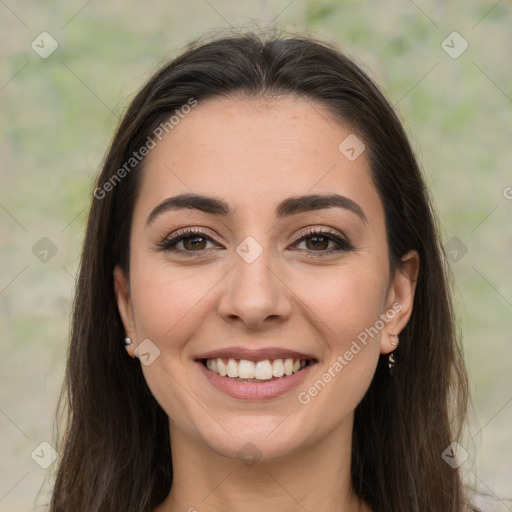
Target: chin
{"x": 255, "y": 437}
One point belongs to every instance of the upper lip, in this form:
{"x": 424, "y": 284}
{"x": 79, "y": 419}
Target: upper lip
{"x": 259, "y": 354}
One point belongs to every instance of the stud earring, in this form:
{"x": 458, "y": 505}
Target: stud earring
{"x": 391, "y": 363}
{"x": 128, "y": 341}
{"x": 394, "y": 343}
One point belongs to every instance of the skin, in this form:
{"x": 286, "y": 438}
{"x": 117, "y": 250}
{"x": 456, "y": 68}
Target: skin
{"x": 237, "y": 150}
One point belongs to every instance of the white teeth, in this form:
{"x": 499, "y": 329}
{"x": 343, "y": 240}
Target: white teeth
{"x": 288, "y": 366}
{"x": 232, "y": 368}
{"x": 222, "y": 367}
{"x": 246, "y": 369}
{"x": 261, "y": 370}
{"x": 278, "y": 368}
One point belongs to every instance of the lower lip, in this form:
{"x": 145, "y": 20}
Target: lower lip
{"x": 254, "y": 390}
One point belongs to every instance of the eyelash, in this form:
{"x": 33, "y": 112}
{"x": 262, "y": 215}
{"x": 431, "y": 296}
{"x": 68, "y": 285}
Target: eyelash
{"x": 169, "y": 244}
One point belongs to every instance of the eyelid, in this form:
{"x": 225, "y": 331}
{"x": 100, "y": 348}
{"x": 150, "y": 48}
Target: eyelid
{"x": 313, "y": 230}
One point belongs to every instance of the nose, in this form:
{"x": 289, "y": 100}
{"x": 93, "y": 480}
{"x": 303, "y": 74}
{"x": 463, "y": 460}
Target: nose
{"x": 255, "y": 294}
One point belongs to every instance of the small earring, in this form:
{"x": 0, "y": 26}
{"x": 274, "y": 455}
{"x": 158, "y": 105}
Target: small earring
{"x": 391, "y": 363}
{"x": 394, "y": 343}
{"x": 128, "y": 341}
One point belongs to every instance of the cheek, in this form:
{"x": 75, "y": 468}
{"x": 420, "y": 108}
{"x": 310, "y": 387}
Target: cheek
{"x": 345, "y": 306}
{"x": 343, "y": 301}
{"x": 168, "y": 303}
{"x": 169, "y": 311}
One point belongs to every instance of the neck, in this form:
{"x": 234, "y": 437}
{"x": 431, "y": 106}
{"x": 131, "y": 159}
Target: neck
{"x": 314, "y": 478}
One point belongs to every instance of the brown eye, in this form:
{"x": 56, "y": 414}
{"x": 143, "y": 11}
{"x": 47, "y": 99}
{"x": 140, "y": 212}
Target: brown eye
{"x": 194, "y": 243}
{"x": 187, "y": 242}
{"x": 318, "y": 242}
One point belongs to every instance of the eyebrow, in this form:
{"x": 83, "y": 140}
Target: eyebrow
{"x": 286, "y": 208}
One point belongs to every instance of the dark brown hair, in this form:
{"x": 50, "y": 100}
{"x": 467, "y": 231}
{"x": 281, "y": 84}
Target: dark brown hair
{"x": 115, "y": 451}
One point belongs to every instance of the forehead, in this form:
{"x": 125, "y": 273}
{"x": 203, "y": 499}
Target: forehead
{"x": 255, "y": 152}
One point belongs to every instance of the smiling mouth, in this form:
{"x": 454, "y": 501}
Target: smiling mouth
{"x": 244, "y": 370}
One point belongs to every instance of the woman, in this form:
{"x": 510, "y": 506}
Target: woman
{"x": 262, "y": 318}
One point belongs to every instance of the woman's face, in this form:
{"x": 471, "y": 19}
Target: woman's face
{"x": 260, "y": 275}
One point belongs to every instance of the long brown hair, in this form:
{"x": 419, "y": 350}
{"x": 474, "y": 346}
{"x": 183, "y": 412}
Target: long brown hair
{"x": 115, "y": 450}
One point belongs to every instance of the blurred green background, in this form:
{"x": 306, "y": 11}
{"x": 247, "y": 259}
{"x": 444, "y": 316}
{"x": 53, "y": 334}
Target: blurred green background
{"x": 58, "y": 115}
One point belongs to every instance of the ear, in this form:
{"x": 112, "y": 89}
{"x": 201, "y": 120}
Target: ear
{"x": 400, "y": 299}
{"x": 124, "y": 305}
